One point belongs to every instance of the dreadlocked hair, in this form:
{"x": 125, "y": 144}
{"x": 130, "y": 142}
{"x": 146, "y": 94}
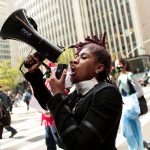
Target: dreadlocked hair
{"x": 98, "y": 49}
{"x": 94, "y": 39}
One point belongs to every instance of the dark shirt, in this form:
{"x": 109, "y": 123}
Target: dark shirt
{"x": 95, "y": 122}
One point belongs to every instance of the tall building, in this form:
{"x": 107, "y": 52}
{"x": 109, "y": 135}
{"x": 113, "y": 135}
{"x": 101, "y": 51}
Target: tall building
{"x": 126, "y": 26}
{"x": 141, "y": 15}
{"x": 69, "y": 21}
{"x": 4, "y": 44}
{"x": 55, "y": 20}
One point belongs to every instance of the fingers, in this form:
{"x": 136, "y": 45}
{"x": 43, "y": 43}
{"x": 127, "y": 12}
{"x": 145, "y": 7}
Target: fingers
{"x": 34, "y": 67}
{"x": 36, "y": 59}
{"x": 63, "y": 76}
{"x": 57, "y": 85}
{"x": 33, "y": 58}
{"x": 33, "y": 63}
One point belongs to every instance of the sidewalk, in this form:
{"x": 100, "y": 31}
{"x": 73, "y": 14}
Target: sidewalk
{"x": 21, "y": 107}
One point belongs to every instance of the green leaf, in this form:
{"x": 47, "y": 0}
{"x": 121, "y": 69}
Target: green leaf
{"x": 67, "y": 55}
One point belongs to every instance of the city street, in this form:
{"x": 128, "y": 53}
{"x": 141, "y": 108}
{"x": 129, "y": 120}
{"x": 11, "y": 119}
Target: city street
{"x": 30, "y": 134}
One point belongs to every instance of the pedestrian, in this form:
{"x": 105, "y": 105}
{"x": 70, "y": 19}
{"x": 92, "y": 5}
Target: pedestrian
{"x": 130, "y": 122}
{"x": 51, "y": 136}
{"x": 18, "y": 98}
{"x": 89, "y": 117}
{"x": 11, "y": 101}
{"x": 26, "y": 98}
{"x": 4, "y": 100}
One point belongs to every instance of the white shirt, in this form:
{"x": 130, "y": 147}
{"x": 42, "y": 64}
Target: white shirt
{"x": 123, "y": 78}
{"x": 85, "y": 86}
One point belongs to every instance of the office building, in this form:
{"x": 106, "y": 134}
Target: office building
{"x": 4, "y": 44}
{"x": 69, "y": 21}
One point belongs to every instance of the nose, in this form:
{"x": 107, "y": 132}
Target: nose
{"x": 74, "y": 61}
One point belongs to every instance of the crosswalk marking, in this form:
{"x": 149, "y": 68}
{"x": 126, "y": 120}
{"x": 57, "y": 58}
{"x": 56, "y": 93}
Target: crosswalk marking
{"x": 28, "y": 125}
{"x": 19, "y": 141}
{"x": 30, "y": 134}
{"x": 33, "y": 131}
{"x": 33, "y": 146}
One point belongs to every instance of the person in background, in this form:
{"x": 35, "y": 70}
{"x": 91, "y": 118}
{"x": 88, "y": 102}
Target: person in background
{"x": 112, "y": 76}
{"x": 51, "y": 136}
{"x": 18, "y": 98}
{"x": 11, "y": 99}
{"x": 130, "y": 122}
{"x": 89, "y": 117}
{"x": 48, "y": 121}
{"x": 4, "y": 99}
{"x": 26, "y": 98}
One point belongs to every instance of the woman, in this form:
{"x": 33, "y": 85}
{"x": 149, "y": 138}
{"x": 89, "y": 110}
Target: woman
{"x": 92, "y": 120}
{"x": 130, "y": 123}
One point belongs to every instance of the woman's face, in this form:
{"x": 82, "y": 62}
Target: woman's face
{"x": 83, "y": 67}
{"x": 120, "y": 67}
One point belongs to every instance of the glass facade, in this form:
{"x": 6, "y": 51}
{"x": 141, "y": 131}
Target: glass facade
{"x": 61, "y": 22}
{"x": 114, "y": 17}
{"x": 4, "y": 45}
{"x": 55, "y": 20}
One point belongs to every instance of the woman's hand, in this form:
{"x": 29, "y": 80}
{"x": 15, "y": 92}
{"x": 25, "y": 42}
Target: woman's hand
{"x": 33, "y": 62}
{"x": 57, "y": 85}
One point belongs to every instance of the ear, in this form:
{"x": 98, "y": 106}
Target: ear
{"x": 99, "y": 68}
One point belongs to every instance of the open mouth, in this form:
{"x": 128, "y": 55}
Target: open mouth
{"x": 73, "y": 71}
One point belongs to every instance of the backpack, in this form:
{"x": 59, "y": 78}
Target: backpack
{"x": 5, "y": 117}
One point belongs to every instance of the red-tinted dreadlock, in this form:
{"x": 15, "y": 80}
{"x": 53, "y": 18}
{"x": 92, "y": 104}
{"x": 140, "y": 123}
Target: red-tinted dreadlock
{"x": 94, "y": 39}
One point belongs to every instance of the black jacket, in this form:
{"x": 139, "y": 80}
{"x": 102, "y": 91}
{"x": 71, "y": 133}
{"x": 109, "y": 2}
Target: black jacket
{"x": 94, "y": 124}
{"x": 4, "y": 99}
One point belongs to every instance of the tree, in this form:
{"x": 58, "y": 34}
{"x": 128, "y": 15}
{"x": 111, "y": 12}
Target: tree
{"x": 67, "y": 55}
{"x": 9, "y": 76}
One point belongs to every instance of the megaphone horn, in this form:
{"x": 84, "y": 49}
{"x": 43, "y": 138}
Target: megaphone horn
{"x": 17, "y": 27}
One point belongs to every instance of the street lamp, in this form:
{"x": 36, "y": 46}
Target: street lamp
{"x": 139, "y": 46}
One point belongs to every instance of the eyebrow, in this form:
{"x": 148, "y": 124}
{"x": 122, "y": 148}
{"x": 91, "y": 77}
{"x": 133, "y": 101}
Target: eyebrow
{"x": 81, "y": 54}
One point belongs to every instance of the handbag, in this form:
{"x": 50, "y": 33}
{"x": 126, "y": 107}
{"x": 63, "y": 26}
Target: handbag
{"x": 131, "y": 108}
{"x": 142, "y": 100}
{"x": 5, "y": 117}
{"x": 143, "y": 105}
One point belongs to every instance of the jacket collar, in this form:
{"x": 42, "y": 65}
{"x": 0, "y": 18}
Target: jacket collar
{"x": 85, "y": 86}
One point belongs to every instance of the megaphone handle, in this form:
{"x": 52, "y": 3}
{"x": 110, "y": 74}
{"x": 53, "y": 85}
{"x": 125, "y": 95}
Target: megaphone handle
{"x": 48, "y": 68}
